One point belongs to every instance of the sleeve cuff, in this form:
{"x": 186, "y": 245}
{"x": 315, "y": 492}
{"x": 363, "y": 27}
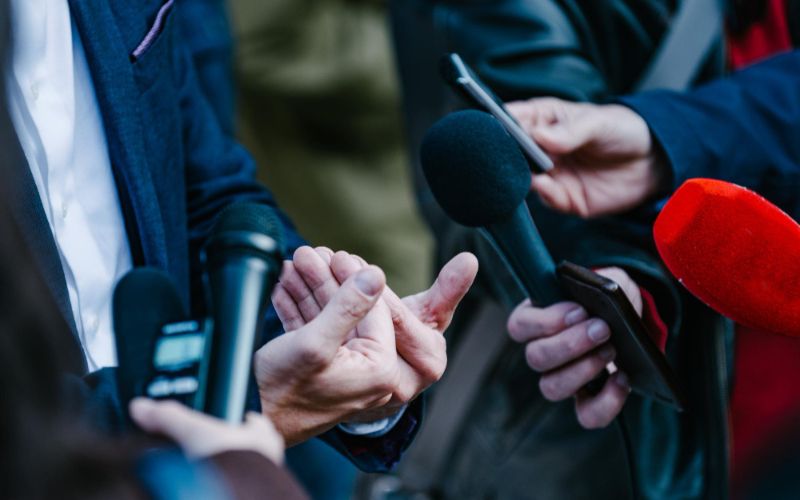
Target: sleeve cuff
{"x": 377, "y": 428}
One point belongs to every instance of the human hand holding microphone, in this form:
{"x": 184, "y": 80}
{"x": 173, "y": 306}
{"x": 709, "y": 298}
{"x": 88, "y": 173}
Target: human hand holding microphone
{"x": 480, "y": 179}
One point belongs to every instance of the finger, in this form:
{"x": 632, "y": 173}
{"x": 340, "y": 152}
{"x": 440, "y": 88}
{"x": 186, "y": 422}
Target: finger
{"x": 420, "y": 345}
{"x": 360, "y": 259}
{"x": 528, "y": 323}
{"x": 171, "y": 419}
{"x": 316, "y": 273}
{"x": 565, "y": 382}
{"x": 348, "y": 307}
{"x": 435, "y": 306}
{"x": 377, "y": 326}
{"x": 629, "y": 287}
{"x": 595, "y": 412}
{"x": 344, "y": 265}
{"x": 268, "y": 440}
{"x": 325, "y": 253}
{"x": 574, "y": 129}
{"x": 300, "y": 292}
{"x": 548, "y": 353}
{"x": 287, "y": 310}
{"x": 534, "y": 111}
{"x": 552, "y": 193}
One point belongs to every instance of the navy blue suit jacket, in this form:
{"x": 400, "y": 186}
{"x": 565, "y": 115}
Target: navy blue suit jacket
{"x": 175, "y": 169}
{"x": 743, "y": 129}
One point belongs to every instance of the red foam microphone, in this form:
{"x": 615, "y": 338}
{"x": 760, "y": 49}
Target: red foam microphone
{"x": 735, "y": 251}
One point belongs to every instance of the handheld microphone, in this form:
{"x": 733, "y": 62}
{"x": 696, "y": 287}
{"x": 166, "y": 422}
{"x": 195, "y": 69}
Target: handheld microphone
{"x": 480, "y": 178}
{"x": 144, "y": 300}
{"x": 735, "y": 251}
{"x": 243, "y": 260}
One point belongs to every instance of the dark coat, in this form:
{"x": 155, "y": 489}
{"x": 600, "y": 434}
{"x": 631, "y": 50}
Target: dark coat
{"x": 175, "y": 168}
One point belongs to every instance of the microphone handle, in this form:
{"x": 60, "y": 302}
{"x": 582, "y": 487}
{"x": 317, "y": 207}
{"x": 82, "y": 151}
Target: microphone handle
{"x": 240, "y": 288}
{"x": 520, "y": 245}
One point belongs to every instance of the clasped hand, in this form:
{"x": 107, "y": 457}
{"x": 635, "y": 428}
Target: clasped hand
{"x": 353, "y": 351}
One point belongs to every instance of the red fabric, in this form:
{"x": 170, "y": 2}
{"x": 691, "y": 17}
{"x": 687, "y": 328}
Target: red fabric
{"x": 652, "y": 320}
{"x": 735, "y": 251}
{"x": 741, "y": 255}
{"x": 764, "y": 39}
{"x": 766, "y": 392}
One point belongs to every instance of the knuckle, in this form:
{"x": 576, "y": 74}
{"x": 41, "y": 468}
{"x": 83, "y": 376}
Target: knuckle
{"x": 406, "y": 395}
{"x": 432, "y": 371}
{"x": 352, "y": 309}
{"x": 576, "y": 343}
{"x": 551, "y": 389}
{"x": 535, "y": 357}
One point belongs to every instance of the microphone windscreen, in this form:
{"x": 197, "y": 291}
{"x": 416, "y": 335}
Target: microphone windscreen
{"x": 144, "y": 301}
{"x": 250, "y": 218}
{"x": 474, "y": 168}
{"x": 735, "y": 251}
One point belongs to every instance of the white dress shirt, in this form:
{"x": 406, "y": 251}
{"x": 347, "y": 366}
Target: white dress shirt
{"x": 56, "y": 116}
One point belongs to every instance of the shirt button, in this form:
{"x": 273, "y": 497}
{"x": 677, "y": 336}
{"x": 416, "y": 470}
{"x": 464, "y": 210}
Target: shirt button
{"x": 35, "y": 91}
{"x": 64, "y": 210}
{"x": 92, "y": 323}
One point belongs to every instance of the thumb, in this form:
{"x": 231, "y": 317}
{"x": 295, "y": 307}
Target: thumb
{"x": 435, "y": 306}
{"x": 348, "y": 306}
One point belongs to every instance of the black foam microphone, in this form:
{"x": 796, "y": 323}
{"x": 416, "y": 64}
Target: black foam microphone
{"x": 144, "y": 301}
{"x": 243, "y": 260}
{"x": 480, "y": 178}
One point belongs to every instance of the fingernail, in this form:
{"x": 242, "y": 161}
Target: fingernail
{"x": 598, "y": 331}
{"x": 607, "y": 353}
{"x": 575, "y": 316}
{"x": 369, "y": 282}
{"x": 622, "y": 380}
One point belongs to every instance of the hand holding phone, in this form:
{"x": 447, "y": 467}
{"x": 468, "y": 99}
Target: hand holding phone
{"x": 464, "y": 81}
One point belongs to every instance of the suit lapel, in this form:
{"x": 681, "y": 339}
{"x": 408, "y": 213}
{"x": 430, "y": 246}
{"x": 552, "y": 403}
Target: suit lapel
{"x": 118, "y": 97}
{"x": 26, "y": 206}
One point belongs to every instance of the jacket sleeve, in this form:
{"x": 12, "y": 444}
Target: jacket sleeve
{"x": 580, "y": 51}
{"x": 741, "y": 129}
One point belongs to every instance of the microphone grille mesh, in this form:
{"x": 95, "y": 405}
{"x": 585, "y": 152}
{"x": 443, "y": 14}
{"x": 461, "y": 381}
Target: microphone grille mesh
{"x": 250, "y": 217}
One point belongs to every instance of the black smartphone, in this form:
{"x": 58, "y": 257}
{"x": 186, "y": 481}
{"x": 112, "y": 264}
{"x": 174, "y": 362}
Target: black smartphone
{"x": 467, "y": 84}
{"x": 637, "y": 355}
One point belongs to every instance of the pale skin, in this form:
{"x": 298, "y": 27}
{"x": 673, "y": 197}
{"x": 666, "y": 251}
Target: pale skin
{"x": 604, "y": 158}
{"x": 353, "y": 350}
{"x": 201, "y": 436}
{"x": 605, "y": 163}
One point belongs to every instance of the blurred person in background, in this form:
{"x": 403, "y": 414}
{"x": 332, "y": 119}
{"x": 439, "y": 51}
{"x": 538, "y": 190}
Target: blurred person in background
{"x": 115, "y": 160}
{"x": 50, "y": 449}
{"x": 513, "y": 439}
{"x": 613, "y": 157}
{"x": 579, "y": 51}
